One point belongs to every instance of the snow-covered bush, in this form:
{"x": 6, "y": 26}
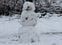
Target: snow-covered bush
{"x": 9, "y": 7}
{"x": 48, "y": 7}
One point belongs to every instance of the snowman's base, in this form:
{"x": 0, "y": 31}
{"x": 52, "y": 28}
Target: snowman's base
{"x": 28, "y": 34}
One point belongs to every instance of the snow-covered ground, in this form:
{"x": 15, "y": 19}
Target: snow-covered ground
{"x": 49, "y": 30}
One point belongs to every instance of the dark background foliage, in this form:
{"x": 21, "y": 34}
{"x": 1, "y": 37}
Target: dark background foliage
{"x": 10, "y": 7}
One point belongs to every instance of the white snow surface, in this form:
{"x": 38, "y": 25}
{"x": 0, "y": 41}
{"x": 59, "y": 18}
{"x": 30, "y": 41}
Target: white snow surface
{"x": 9, "y": 30}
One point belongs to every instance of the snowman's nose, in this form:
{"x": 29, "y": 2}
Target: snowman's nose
{"x": 28, "y": 8}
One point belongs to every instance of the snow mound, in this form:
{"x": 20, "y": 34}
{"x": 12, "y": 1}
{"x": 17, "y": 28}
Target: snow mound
{"x": 9, "y": 29}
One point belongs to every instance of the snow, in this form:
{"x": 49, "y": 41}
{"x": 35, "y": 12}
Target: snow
{"x": 53, "y": 24}
{"x": 47, "y": 28}
{"x": 7, "y": 27}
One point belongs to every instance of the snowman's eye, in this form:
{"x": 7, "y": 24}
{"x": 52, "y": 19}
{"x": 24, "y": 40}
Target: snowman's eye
{"x": 26, "y": 18}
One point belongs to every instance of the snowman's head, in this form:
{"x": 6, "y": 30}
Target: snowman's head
{"x": 28, "y": 6}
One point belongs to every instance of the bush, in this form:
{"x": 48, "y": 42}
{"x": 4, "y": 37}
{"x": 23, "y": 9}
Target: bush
{"x": 9, "y": 7}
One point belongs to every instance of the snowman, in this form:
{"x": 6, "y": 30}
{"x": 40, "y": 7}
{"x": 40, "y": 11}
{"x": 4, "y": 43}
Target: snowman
{"x": 27, "y": 33}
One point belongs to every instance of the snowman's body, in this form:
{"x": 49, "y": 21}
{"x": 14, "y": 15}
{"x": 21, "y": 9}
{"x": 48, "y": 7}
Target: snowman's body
{"x": 29, "y": 18}
{"x": 27, "y": 32}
